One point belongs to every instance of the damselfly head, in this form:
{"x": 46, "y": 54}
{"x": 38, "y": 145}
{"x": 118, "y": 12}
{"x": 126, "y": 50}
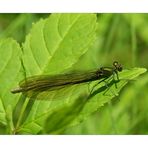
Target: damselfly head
{"x": 117, "y": 66}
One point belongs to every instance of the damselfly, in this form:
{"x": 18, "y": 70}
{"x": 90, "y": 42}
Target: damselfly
{"x": 32, "y": 86}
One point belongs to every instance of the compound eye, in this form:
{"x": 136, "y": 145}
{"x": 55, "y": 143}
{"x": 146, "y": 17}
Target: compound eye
{"x": 115, "y": 63}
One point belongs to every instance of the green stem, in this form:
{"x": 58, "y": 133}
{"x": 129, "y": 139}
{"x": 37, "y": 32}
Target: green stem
{"x": 22, "y": 110}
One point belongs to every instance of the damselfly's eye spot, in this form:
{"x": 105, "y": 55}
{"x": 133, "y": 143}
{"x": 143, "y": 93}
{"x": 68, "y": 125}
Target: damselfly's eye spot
{"x": 115, "y": 63}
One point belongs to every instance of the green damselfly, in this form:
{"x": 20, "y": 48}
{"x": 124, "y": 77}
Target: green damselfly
{"x": 45, "y": 83}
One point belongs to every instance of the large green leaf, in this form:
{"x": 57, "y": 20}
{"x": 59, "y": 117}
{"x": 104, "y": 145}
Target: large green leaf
{"x": 80, "y": 110}
{"x": 53, "y": 46}
{"x": 10, "y": 64}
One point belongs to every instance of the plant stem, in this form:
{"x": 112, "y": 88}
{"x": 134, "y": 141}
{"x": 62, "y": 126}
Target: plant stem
{"x": 22, "y": 110}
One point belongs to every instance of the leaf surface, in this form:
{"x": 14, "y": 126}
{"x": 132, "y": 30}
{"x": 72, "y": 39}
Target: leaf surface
{"x": 10, "y": 53}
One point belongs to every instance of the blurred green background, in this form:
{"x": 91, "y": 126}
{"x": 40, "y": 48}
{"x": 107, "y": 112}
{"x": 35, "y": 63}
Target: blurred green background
{"x": 121, "y": 37}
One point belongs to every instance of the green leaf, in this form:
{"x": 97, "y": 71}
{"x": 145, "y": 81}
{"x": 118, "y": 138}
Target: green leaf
{"x": 10, "y": 53}
{"x": 133, "y": 100}
{"x": 127, "y": 114}
{"x": 59, "y": 40}
{"x": 89, "y": 104}
{"x": 54, "y": 45}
